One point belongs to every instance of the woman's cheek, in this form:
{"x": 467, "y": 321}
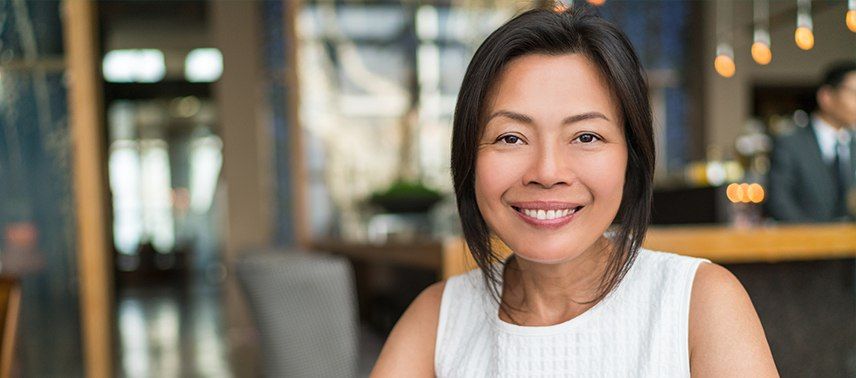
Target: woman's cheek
{"x": 496, "y": 172}
{"x": 604, "y": 174}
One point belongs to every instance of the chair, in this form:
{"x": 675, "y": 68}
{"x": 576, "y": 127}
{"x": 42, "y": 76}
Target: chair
{"x": 305, "y": 309}
{"x": 10, "y": 304}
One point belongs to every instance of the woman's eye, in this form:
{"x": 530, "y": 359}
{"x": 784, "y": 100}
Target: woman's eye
{"x": 588, "y": 138}
{"x": 509, "y": 139}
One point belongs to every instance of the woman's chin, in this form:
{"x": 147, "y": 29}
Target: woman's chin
{"x": 557, "y": 252}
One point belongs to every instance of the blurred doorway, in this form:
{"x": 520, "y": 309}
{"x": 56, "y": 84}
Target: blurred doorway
{"x": 164, "y": 158}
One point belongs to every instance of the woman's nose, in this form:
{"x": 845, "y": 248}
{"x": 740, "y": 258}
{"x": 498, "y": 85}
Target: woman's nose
{"x": 548, "y": 169}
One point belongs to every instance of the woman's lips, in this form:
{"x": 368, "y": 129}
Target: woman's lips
{"x": 547, "y": 214}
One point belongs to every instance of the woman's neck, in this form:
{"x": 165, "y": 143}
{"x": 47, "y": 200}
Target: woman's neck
{"x": 538, "y": 294}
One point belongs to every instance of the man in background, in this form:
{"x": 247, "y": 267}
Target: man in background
{"x": 812, "y": 168}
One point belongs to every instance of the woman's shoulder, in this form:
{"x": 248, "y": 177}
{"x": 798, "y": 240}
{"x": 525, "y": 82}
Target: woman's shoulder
{"x": 409, "y": 349}
{"x": 725, "y": 334}
{"x": 422, "y": 314}
{"x": 430, "y": 297}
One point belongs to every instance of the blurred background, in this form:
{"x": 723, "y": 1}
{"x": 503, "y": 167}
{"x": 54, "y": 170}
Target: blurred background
{"x": 153, "y": 154}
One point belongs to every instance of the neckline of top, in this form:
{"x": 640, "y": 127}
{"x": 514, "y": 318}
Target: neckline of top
{"x": 569, "y": 324}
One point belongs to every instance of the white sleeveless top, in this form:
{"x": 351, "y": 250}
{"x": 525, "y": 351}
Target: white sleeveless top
{"x": 640, "y": 329}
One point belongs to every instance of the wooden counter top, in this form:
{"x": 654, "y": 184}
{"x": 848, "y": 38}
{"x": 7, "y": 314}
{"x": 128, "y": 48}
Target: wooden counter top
{"x": 762, "y": 244}
{"x": 721, "y": 244}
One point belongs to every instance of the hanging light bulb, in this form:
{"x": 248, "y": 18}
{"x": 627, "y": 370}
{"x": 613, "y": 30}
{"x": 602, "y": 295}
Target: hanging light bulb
{"x": 761, "y": 52}
{"x": 804, "y": 35}
{"x": 596, "y": 2}
{"x": 850, "y": 19}
{"x": 724, "y": 62}
{"x": 804, "y": 38}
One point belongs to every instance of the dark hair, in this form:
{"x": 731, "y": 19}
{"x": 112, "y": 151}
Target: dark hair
{"x": 545, "y": 31}
{"x": 835, "y": 73}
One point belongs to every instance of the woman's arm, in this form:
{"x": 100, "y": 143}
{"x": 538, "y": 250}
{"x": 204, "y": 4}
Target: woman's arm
{"x": 725, "y": 335}
{"x": 409, "y": 350}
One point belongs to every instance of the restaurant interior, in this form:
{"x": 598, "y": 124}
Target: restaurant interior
{"x": 223, "y": 188}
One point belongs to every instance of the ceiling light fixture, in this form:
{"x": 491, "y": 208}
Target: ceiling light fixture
{"x": 804, "y": 34}
{"x": 761, "y": 52}
{"x": 724, "y": 61}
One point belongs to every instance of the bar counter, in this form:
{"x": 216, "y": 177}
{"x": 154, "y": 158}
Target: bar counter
{"x": 760, "y": 244}
{"x": 720, "y": 244}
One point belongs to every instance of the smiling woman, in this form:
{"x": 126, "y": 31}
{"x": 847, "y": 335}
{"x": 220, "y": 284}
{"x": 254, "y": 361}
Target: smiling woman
{"x": 553, "y": 155}
{"x": 553, "y": 143}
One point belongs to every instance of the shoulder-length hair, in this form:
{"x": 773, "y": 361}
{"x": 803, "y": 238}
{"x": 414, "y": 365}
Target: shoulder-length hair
{"x": 544, "y": 31}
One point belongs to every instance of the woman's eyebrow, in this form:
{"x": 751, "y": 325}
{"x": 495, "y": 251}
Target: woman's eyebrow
{"x": 509, "y": 114}
{"x": 583, "y": 117}
{"x": 528, "y": 120}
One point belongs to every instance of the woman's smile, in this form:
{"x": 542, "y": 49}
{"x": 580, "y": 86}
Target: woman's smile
{"x": 546, "y": 214}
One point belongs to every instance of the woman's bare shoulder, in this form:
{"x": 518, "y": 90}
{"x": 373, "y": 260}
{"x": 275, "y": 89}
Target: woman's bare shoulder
{"x": 725, "y": 335}
{"x": 409, "y": 350}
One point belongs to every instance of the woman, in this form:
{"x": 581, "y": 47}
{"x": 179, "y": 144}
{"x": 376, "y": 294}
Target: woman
{"x": 552, "y": 144}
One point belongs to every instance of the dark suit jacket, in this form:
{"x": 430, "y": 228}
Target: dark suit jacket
{"x": 801, "y": 185}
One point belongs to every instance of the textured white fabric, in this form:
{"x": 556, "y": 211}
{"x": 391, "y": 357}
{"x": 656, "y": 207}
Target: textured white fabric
{"x": 639, "y": 330}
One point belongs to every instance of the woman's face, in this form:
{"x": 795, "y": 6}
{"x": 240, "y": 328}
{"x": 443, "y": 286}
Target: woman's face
{"x": 551, "y": 159}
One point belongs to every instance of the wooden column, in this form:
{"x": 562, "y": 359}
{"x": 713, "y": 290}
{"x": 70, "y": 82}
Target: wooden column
{"x": 90, "y": 185}
{"x": 299, "y": 179}
{"x": 247, "y": 174}
{"x": 247, "y": 143}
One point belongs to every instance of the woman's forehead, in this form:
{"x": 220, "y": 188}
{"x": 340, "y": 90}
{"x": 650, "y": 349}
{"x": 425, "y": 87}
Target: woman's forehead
{"x": 550, "y": 88}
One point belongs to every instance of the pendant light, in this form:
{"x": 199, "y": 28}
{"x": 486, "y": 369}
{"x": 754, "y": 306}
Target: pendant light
{"x": 724, "y": 61}
{"x": 804, "y": 34}
{"x": 761, "y": 52}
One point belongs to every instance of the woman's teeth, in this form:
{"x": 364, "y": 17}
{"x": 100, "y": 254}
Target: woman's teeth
{"x": 548, "y": 214}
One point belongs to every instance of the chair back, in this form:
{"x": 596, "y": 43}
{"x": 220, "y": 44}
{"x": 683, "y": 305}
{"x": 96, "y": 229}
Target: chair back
{"x": 304, "y": 305}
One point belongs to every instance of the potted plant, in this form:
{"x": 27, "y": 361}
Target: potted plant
{"x": 406, "y": 197}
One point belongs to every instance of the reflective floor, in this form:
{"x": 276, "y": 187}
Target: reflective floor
{"x": 172, "y": 330}
{"x": 178, "y": 330}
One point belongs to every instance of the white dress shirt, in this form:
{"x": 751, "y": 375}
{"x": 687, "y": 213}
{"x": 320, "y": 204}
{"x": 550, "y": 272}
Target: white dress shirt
{"x": 826, "y": 137}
